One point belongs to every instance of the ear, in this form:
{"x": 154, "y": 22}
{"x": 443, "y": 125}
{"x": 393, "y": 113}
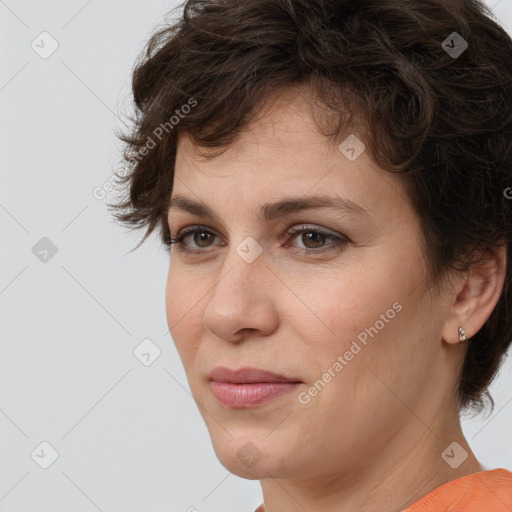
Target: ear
{"x": 476, "y": 295}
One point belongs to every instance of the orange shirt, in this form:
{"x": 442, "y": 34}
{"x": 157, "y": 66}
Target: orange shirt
{"x": 487, "y": 491}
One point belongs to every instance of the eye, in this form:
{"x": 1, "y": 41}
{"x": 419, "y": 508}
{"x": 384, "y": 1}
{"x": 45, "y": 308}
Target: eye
{"x": 313, "y": 239}
{"x": 201, "y": 236}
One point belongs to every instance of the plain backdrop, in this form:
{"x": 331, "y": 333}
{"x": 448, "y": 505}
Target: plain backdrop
{"x": 85, "y": 423}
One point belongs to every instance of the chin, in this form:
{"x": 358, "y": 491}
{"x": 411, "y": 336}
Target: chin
{"x": 246, "y": 453}
{"x": 243, "y": 458}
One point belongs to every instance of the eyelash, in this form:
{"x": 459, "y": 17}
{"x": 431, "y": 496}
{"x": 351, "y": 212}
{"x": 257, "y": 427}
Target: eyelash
{"x": 339, "y": 242}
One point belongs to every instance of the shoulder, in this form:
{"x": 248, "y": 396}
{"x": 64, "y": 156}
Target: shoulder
{"x": 486, "y": 491}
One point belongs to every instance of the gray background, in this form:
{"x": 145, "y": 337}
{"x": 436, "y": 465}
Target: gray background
{"x": 129, "y": 437}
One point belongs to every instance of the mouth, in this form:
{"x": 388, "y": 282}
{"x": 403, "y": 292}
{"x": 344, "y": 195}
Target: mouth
{"x": 249, "y": 387}
{"x": 248, "y": 375}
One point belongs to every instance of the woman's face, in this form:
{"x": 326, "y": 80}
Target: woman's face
{"x": 341, "y": 309}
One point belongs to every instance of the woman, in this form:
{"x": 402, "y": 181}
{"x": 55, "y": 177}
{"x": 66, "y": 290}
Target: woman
{"x": 331, "y": 177}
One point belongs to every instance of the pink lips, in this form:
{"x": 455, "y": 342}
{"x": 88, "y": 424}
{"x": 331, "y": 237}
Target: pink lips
{"x": 248, "y": 387}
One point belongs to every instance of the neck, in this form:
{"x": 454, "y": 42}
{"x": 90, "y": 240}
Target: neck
{"x": 399, "y": 475}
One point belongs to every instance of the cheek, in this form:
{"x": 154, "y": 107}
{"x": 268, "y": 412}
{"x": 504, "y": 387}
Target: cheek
{"x": 354, "y": 369}
{"x": 371, "y": 323}
{"x": 381, "y": 332}
{"x": 349, "y": 308}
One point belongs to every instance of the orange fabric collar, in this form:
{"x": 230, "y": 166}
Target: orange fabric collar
{"x": 486, "y": 491}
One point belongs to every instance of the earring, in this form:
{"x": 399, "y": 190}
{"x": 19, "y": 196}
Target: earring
{"x": 462, "y": 335}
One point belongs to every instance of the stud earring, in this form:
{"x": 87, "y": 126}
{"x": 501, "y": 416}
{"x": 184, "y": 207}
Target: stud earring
{"x": 462, "y": 335}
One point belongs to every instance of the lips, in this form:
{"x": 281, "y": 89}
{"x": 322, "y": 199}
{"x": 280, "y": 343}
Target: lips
{"x": 248, "y": 375}
{"x": 249, "y": 387}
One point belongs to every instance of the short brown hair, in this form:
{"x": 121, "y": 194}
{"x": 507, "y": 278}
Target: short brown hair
{"x": 442, "y": 118}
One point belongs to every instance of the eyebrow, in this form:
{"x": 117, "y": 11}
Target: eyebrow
{"x": 272, "y": 211}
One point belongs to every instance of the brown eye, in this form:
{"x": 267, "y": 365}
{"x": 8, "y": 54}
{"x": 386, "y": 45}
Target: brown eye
{"x": 313, "y": 239}
{"x": 201, "y": 238}
{"x": 194, "y": 240}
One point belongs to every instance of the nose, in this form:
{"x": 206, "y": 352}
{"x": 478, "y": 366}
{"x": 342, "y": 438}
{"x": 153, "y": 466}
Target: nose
{"x": 243, "y": 298}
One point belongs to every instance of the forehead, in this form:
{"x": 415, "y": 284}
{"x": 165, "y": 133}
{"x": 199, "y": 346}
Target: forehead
{"x": 284, "y": 153}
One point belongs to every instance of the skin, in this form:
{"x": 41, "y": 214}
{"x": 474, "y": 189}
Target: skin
{"x": 372, "y": 438}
